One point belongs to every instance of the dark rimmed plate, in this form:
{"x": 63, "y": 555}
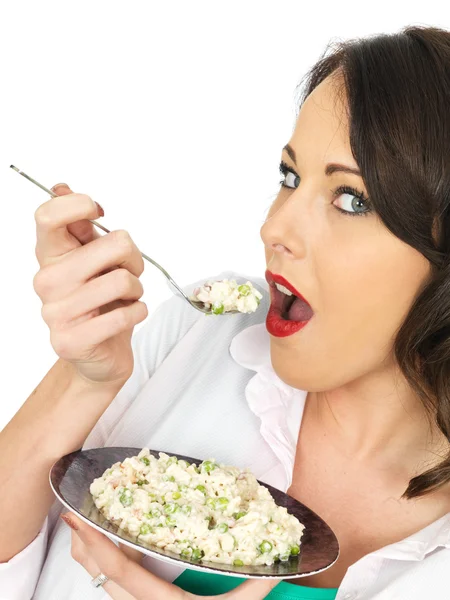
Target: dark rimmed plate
{"x": 72, "y": 475}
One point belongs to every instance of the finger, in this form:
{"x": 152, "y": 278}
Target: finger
{"x": 83, "y": 230}
{"x": 53, "y": 218}
{"x": 60, "y": 279}
{"x": 82, "y": 339}
{"x": 130, "y": 576}
{"x": 87, "y": 300}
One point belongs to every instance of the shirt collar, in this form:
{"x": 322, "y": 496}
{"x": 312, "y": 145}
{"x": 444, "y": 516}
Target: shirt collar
{"x": 278, "y": 405}
{"x": 280, "y": 409}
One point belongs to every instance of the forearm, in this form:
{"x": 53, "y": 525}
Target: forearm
{"x": 55, "y": 420}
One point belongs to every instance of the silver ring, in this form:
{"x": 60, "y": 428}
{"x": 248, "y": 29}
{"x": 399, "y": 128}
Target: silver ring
{"x": 99, "y": 580}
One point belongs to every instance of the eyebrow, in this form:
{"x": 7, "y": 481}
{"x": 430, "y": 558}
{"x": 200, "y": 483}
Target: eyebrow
{"x": 330, "y": 168}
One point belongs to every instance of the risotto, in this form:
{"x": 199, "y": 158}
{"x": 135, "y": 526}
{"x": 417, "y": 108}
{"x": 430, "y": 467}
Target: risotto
{"x": 211, "y": 511}
{"x": 226, "y": 295}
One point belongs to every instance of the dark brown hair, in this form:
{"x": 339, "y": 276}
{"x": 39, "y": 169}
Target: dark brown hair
{"x": 397, "y": 88}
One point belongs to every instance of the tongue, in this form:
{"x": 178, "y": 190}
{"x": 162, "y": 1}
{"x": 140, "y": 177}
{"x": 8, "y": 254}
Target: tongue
{"x": 300, "y": 311}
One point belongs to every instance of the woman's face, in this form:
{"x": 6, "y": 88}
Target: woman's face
{"x": 359, "y": 278}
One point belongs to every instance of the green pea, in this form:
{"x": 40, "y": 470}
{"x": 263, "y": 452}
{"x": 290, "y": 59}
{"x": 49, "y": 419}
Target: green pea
{"x": 186, "y": 509}
{"x": 145, "y": 528}
{"x": 171, "y": 508}
{"x": 265, "y": 546}
{"x": 217, "y": 309}
{"x": 244, "y": 290}
{"x": 126, "y": 498}
{"x": 211, "y": 503}
{"x": 222, "y": 528}
{"x": 145, "y": 460}
{"x": 201, "y": 488}
{"x": 239, "y": 515}
{"x": 142, "y": 482}
{"x": 222, "y": 502}
{"x": 168, "y": 478}
{"x": 197, "y": 553}
{"x": 155, "y": 513}
{"x": 237, "y": 562}
{"x": 186, "y": 552}
{"x": 208, "y": 466}
{"x": 172, "y": 460}
{"x": 171, "y": 522}
{"x": 176, "y": 495}
{"x": 295, "y": 550}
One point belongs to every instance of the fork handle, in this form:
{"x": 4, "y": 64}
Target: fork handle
{"x": 97, "y": 224}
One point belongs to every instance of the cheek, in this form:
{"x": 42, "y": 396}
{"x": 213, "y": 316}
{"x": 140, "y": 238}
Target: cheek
{"x": 363, "y": 298}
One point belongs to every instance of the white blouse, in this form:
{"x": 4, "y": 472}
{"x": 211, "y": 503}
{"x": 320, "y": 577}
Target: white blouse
{"x": 205, "y": 387}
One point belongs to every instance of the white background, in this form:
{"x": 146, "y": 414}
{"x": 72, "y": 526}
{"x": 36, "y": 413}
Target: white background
{"x": 172, "y": 115}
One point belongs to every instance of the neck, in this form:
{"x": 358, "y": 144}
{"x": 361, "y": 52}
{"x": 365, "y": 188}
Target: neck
{"x": 379, "y": 417}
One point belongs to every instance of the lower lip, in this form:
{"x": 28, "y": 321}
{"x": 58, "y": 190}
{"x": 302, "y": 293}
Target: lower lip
{"x": 279, "y": 327}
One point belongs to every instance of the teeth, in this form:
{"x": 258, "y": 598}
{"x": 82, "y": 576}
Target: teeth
{"x": 282, "y": 289}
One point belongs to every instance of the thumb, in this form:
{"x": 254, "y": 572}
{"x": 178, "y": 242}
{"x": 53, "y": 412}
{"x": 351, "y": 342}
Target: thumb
{"x": 61, "y": 189}
{"x": 107, "y": 555}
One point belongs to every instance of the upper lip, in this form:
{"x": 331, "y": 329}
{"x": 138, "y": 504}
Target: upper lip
{"x": 273, "y": 278}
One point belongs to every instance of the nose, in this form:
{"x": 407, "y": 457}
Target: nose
{"x": 283, "y": 230}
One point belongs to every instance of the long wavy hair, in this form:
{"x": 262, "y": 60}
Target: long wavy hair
{"x": 397, "y": 88}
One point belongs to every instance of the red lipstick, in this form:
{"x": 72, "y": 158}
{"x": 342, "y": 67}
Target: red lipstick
{"x": 275, "y": 324}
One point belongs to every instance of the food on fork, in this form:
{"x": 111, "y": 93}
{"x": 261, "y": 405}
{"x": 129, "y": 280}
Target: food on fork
{"x": 226, "y": 295}
{"x": 213, "y": 512}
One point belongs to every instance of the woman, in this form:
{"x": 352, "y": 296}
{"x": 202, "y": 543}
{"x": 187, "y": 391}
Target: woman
{"x": 359, "y": 228}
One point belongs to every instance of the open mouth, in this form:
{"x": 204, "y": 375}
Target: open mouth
{"x": 285, "y": 302}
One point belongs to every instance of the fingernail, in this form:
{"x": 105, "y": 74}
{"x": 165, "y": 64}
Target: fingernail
{"x": 101, "y": 212}
{"x": 57, "y": 185}
{"x": 68, "y": 521}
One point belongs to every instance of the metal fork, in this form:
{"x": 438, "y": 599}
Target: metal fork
{"x": 197, "y": 304}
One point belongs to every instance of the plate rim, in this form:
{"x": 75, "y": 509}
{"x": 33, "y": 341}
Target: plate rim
{"x": 169, "y": 559}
